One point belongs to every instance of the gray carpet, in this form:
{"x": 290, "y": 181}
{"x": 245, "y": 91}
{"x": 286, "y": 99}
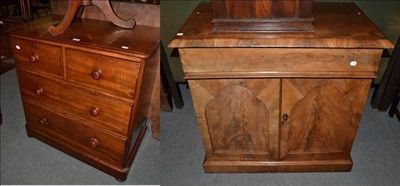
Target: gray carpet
{"x": 26, "y": 160}
{"x": 376, "y": 155}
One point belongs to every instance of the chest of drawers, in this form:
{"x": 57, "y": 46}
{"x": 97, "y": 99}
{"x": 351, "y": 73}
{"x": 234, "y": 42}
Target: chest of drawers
{"x": 280, "y": 102}
{"x": 87, "y": 91}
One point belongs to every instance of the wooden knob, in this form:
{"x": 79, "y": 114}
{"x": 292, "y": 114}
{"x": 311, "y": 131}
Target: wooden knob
{"x": 39, "y": 91}
{"x": 96, "y": 75}
{"x": 285, "y": 117}
{"x": 34, "y": 58}
{"x": 44, "y": 122}
{"x": 95, "y": 111}
{"x": 94, "y": 142}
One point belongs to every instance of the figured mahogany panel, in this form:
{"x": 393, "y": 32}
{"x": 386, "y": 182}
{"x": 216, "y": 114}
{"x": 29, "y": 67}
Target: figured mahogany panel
{"x": 238, "y": 121}
{"x": 262, "y": 9}
{"x": 322, "y": 115}
{"x": 238, "y": 118}
{"x": 284, "y": 9}
{"x": 305, "y": 8}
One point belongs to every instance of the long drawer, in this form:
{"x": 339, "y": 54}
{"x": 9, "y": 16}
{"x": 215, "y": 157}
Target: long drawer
{"x": 87, "y": 141}
{"x": 108, "y": 74}
{"x": 35, "y": 56}
{"x": 279, "y": 62}
{"x": 90, "y": 107}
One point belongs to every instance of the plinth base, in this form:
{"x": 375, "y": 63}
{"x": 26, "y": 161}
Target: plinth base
{"x": 221, "y": 166}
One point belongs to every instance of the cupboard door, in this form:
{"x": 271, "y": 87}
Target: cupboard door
{"x": 238, "y": 118}
{"x": 320, "y": 117}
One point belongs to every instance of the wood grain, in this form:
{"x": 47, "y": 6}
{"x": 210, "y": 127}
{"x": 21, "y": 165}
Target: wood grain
{"x": 94, "y": 108}
{"x": 262, "y": 9}
{"x": 270, "y": 62}
{"x": 76, "y": 103}
{"x": 144, "y": 14}
{"x": 48, "y": 57}
{"x": 321, "y": 116}
{"x": 222, "y": 109}
{"x": 283, "y": 9}
{"x": 118, "y": 81}
{"x": 138, "y": 43}
{"x": 311, "y": 86}
{"x": 238, "y": 122}
{"x": 75, "y": 135}
{"x": 337, "y": 25}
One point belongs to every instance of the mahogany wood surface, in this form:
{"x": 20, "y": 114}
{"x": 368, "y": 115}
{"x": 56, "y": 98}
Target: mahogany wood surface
{"x": 39, "y": 57}
{"x": 73, "y": 7}
{"x": 107, "y": 148}
{"x": 96, "y": 71}
{"x": 294, "y": 62}
{"x": 238, "y": 117}
{"x": 87, "y": 91}
{"x": 139, "y": 42}
{"x": 262, "y": 15}
{"x": 144, "y": 14}
{"x": 323, "y": 116}
{"x": 281, "y": 102}
{"x": 76, "y": 102}
{"x": 337, "y": 25}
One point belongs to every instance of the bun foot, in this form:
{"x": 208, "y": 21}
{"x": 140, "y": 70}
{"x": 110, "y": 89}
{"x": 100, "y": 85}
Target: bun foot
{"x": 121, "y": 179}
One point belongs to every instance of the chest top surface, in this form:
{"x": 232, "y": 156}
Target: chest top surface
{"x": 141, "y": 41}
{"x": 337, "y": 25}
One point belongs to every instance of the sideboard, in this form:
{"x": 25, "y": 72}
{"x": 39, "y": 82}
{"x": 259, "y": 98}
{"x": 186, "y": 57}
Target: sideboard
{"x": 280, "y": 101}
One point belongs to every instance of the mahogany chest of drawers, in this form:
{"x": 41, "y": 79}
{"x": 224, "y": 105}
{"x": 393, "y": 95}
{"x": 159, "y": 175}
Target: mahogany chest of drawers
{"x": 87, "y": 91}
{"x": 281, "y": 102}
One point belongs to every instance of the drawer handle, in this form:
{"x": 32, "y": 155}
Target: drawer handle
{"x": 94, "y": 142}
{"x": 34, "y": 58}
{"x": 39, "y": 91}
{"x": 96, "y": 75}
{"x": 44, "y": 122}
{"x": 95, "y": 111}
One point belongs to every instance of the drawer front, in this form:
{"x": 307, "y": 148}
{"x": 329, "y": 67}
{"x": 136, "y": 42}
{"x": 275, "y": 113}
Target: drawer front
{"x": 108, "y": 74}
{"x": 280, "y": 62}
{"x": 99, "y": 110}
{"x": 38, "y": 57}
{"x": 88, "y": 141}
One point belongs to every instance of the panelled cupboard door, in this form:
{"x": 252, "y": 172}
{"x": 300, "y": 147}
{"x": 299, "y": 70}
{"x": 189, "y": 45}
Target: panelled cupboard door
{"x": 320, "y": 117}
{"x": 238, "y": 118}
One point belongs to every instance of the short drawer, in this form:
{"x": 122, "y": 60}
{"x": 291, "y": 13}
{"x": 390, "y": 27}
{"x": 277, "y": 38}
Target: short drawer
{"x": 39, "y": 57}
{"x": 280, "y": 62}
{"x": 99, "y": 110}
{"x": 83, "y": 139}
{"x": 105, "y": 73}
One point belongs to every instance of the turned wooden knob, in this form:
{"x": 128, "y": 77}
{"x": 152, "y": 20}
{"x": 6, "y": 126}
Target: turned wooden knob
{"x": 94, "y": 142}
{"x": 44, "y": 122}
{"x": 96, "y": 75}
{"x": 39, "y": 91}
{"x": 34, "y": 58}
{"x": 95, "y": 111}
{"x": 285, "y": 117}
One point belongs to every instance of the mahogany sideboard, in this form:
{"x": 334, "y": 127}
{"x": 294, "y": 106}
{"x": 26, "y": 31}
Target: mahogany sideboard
{"x": 87, "y": 92}
{"x": 280, "y": 102}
